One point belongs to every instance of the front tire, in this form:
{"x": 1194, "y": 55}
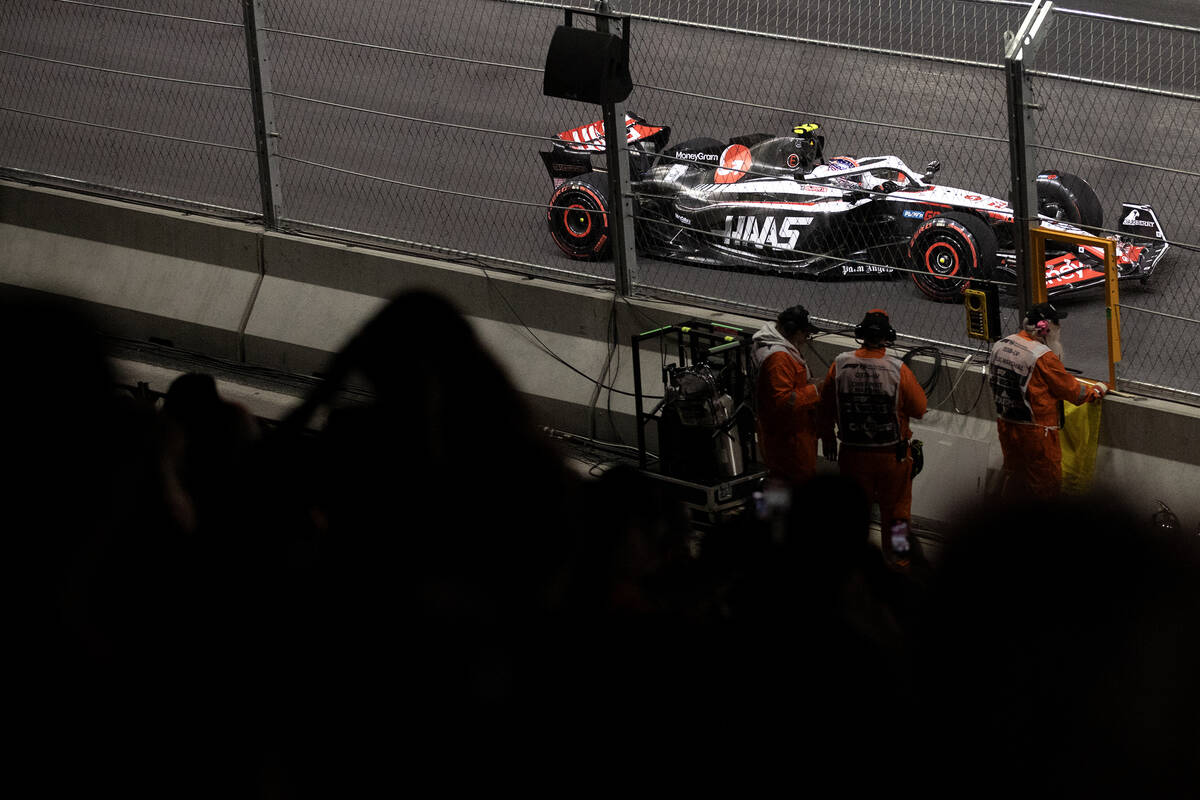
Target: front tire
{"x": 578, "y": 217}
{"x": 948, "y": 252}
{"x": 1069, "y": 198}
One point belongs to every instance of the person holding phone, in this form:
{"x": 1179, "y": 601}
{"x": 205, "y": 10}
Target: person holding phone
{"x": 869, "y": 397}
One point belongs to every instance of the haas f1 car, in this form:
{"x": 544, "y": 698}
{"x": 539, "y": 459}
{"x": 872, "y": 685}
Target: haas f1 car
{"x": 774, "y": 204}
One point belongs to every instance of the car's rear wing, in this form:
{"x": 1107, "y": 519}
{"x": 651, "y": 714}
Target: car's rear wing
{"x": 590, "y": 138}
{"x": 572, "y": 150}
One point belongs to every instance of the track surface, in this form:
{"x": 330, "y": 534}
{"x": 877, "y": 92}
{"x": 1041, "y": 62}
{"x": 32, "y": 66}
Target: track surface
{"x": 841, "y": 89}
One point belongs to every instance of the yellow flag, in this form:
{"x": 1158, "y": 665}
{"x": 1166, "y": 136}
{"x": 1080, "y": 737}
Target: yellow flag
{"x": 1079, "y": 437}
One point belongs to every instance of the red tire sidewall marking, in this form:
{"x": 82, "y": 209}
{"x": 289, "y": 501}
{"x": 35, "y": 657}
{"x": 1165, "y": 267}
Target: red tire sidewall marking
{"x": 970, "y": 242}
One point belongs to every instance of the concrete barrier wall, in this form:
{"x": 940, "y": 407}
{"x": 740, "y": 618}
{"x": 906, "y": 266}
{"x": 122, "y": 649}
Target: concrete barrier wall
{"x": 152, "y": 273}
{"x": 234, "y": 291}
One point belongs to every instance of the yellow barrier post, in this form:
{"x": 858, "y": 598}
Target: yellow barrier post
{"x": 1039, "y": 237}
{"x": 1079, "y": 436}
{"x": 1113, "y": 309}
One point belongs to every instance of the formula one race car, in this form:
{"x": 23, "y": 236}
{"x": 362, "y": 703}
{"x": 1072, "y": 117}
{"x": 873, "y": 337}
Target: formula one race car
{"x": 774, "y": 204}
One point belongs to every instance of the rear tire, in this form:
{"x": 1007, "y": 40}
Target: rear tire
{"x": 578, "y": 217}
{"x": 948, "y": 252}
{"x": 1069, "y": 198}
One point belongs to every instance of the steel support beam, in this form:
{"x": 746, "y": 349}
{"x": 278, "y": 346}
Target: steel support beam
{"x": 265, "y": 133}
{"x": 624, "y": 247}
{"x": 1019, "y": 50}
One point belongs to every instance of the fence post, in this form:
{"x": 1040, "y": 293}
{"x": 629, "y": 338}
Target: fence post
{"x": 1031, "y": 278}
{"x": 265, "y": 132}
{"x": 624, "y": 246}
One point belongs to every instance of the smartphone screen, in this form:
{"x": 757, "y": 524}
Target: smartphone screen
{"x": 899, "y": 537}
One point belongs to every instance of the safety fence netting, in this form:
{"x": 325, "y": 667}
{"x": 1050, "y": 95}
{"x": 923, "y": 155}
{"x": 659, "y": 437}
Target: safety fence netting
{"x": 145, "y": 100}
{"x": 422, "y": 126}
{"x": 836, "y": 237}
{"x": 414, "y": 125}
{"x": 1118, "y": 103}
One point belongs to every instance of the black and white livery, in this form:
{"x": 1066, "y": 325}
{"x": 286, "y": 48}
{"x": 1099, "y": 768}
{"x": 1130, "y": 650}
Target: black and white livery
{"x": 775, "y": 204}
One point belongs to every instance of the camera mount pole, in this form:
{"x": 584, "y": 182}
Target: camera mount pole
{"x": 1019, "y": 50}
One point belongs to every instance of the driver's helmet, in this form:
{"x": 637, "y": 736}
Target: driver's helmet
{"x": 797, "y": 153}
{"x": 802, "y": 150}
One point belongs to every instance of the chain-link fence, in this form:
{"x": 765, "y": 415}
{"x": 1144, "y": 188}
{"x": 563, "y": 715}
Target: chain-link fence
{"x": 142, "y": 99}
{"x": 1119, "y": 104}
{"x": 905, "y": 79}
{"x": 421, "y": 125}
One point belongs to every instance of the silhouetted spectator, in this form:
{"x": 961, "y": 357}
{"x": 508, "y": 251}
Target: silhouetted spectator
{"x": 816, "y": 660}
{"x": 1061, "y": 653}
{"x": 635, "y": 550}
{"x": 823, "y": 558}
{"x": 207, "y": 440}
{"x": 446, "y": 441}
{"x": 81, "y": 494}
{"x": 99, "y": 642}
{"x": 440, "y": 525}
